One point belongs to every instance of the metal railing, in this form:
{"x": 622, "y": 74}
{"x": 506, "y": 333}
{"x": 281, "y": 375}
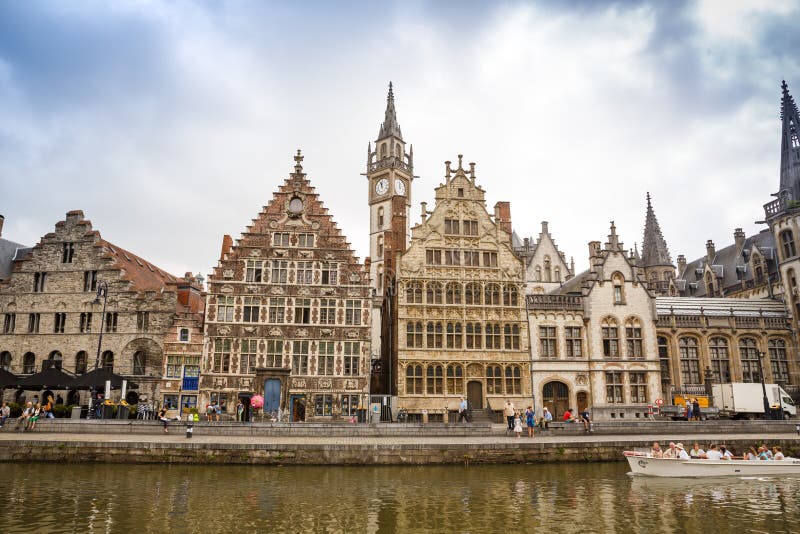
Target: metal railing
{"x": 554, "y": 302}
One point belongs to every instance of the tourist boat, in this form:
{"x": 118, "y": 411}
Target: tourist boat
{"x": 642, "y": 464}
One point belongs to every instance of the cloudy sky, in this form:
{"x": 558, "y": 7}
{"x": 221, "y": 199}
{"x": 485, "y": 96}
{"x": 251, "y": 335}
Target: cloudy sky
{"x": 170, "y": 123}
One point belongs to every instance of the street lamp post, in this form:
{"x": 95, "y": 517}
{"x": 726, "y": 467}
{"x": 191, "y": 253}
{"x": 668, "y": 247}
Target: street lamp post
{"x": 102, "y": 291}
{"x": 763, "y": 385}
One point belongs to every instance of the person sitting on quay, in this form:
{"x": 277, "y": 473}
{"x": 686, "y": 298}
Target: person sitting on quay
{"x": 37, "y": 412}
{"x": 22, "y": 420}
{"x": 530, "y": 420}
{"x": 656, "y": 451}
{"x": 544, "y": 420}
{"x": 5, "y": 413}
{"x": 696, "y": 452}
{"x": 586, "y": 420}
{"x": 672, "y": 452}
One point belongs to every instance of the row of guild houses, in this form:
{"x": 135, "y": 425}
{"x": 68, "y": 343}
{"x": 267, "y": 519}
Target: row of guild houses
{"x": 454, "y": 306}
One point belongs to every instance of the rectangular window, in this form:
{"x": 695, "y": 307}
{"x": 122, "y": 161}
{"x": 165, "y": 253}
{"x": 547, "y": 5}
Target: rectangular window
{"x": 171, "y": 402}
{"x": 225, "y": 309}
{"x": 183, "y": 335}
{"x": 252, "y": 306}
{"x": 414, "y": 335}
{"x": 323, "y": 405}
{"x": 780, "y": 363}
{"x": 142, "y": 321}
{"x": 67, "y": 252}
{"x": 325, "y": 358}
{"x": 453, "y": 336}
{"x": 111, "y": 321}
{"x": 300, "y": 358}
{"x": 574, "y": 342}
{"x": 352, "y": 353}
{"x": 277, "y": 310}
{"x": 85, "y": 323}
{"x": 547, "y": 342}
{"x": 280, "y": 239}
{"x": 305, "y": 272}
{"x": 472, "y": 258}
{"x": 59, "y": 322}
{"x": 274, "y": 356}
{"x": 222, "y": 356}
{"x": 490, "y": 259}
{"x": 470, "y": 227}
{"x": 352, "y": 312}
{"x": 330, "y": 274}
{"x": 139, "y": 363}
{"x": 493, "y": 338}
{"x": 302, "y": 311}
{"x": 614, "y": 388}
{"x": 638, "y": 387}
{"x": 434, "y": 335}
{"x": 38, "y": 282}
{"x": 174, "y": 364}
{"x": 305, "y": 240}
{"x": 90, "y": 281}
{"x": 280, "y": 271}
{"x": 610, "y": 342}
{"x": 327, "y": 311}
{"x": 33, "y": 323}
{"x": 349, "y": 405}
{"x": 634, "y": 339}
{"x": 253, "y": 271}
{"x": 452, "y": 257}
{"x": 451, "y": 227}
{"x": 9, "y": 323}
{"x": 433, "y": 257}
{"x": 248, "y": 355}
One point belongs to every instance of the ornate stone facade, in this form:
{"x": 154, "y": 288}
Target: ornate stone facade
{"x": 461, "y": 313}
{"x": 545, "y": 266}
{"x": 290, "y": 294}
{"x": 49, "y": 313}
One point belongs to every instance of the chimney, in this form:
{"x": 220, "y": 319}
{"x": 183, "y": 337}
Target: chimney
{"x": 738, "y": 238}
{"x": 594, "y": 254}
{"x": 681, "y": 264}
{"x": 544, "y": 227}
{"x": 227, "y": 245}
{"x": 710, "y": 251}
{"x": 502, "y": 215}
{"x": 2, "y": 220}
{"x": 527, "y": 244}
{"x": 424, "y": 206}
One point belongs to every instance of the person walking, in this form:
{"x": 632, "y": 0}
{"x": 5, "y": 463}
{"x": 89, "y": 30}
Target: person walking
{"x": 696, "y": 409}
{"x": 217, "y": 410}
{"x": 530, "y": 420}
{"x": 463, "y": 410}
{"x": 689, "y": 414}
{"x": 509, "y": 412}
{"x": 239, "y": 410}
{"x": 209, "y": 412}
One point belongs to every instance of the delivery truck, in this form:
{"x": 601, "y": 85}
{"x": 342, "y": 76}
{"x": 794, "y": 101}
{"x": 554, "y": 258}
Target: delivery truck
{"x": 746, "y": 400}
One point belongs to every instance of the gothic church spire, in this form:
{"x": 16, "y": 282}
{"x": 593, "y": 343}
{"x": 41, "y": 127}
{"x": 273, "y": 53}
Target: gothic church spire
{"x": 390, "y": 127}
{"x": 790, "y": 144}
{"x": 654, "y": 246}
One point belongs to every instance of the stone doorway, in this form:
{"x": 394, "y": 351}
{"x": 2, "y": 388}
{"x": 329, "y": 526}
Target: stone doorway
{"x": 272, "y": 396}
{"x": 555, "y": 396}
{"x": 298, "y": 406}
{"x": 475, "y": 394}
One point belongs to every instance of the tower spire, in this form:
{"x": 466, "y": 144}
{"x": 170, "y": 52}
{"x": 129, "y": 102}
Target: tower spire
{"x": 790, "y": 144}
{"x": 390, "y": 127}
{"x": 654, "y": 246}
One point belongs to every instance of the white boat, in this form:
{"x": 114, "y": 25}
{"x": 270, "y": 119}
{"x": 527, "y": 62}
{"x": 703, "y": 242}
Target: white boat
{"x": 669, "y": 467}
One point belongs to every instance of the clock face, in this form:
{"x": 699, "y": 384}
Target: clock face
{"x": 382, "y": 186}
{"x": 296, "y": 205}
{"x": 400, "y": 187}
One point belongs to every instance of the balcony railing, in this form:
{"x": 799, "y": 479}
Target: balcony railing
{"x": 554, "y": 302}
{"x": 388, "y": 163}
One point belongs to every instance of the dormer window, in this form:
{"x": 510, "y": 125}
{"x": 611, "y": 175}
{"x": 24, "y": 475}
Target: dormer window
{"x": 619, "y": 290}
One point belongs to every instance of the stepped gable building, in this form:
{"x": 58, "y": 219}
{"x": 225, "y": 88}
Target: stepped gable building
{"x": 545, "y": 266}
{"x": 656, "y": 264}
{"x": 287, "y": 313}
{"x": 50, "y": 317}
{"x": 461, "y": 311}
{"x": 721, "y": 339}
{"x": 593, "y": 340}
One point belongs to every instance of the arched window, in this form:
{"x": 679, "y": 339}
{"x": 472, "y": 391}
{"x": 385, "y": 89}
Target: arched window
{"x": 493, "y": 336}
{"x": 107, "y": 361}
{"x": 380, "y": 217}
{"x": 434, "y": 331}
{"x": 510, "y": 295}
{"x": 383, "y": 150}
{"x": 538, "y": 276}
{"x": 28, "y": 363}
{"x": 414, "y": 335}
{"x": 494, "y": 379}
{"x": 139, "y": 362}
{"x": 513, "y": 380}
{"x": 453, "y": 293}
{"x": 398, "y": 150}
{"x": 414, "y": 380}
{"x": 690, "y": 361}
{"x": 5, "y": 360}
{"x": 547, "y": 274}
{"x": 610, "y": 332}
{"x": 492, "y": 295}
{"x": 80, "y": 362}
{"x": 55, "y": 360}
{"x": 777, "y": 357}
{"x": 618, "y": 282}
{"x": 454, "y": 336}
{"x": 787, "y": 241}
{"x": 748, "y": 355}
{"x": 472, "y": 294}
{"x": 455, "y": 380}
{"x": 474, "y": 338}
{"x": 758, "y": 268}
{"x": 710, "y": 291}
{"x": 663, "y": 360}
{"x": 720, "y": 359}
{"x": 380, "y": 246}
{"x": 434, "y": 293}
{"x": 633, "y": 339}
{"x": 380, "y": 278}
{"x": 414, "y": 293}
{"x": 435, "y": 380}
{"x": 511, "y": 334}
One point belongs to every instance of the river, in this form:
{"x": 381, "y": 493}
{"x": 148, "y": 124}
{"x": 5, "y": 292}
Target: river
{"x": 597, "y": 497}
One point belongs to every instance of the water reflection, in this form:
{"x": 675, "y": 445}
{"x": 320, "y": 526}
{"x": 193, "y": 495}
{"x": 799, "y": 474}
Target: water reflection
{"x": 555, "y": 498}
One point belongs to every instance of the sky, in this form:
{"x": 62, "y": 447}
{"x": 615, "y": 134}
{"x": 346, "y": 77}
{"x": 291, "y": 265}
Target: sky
{"x": 170, "y": 124}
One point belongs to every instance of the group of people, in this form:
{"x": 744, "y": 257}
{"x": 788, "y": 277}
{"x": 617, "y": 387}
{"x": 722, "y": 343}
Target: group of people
{"x": 31, "y": 413}
{"x": 715, "y": 452}
{"x": 514, "y": 419}
{"x": 214, "y": 411}
{"x": 692, "y": 409}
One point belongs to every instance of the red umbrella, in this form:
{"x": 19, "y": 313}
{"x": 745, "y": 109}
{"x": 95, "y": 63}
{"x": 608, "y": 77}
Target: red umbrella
{"x": 257, "y": 401}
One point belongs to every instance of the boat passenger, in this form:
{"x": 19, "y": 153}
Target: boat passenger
{"x": 751, "y": 454}
{"x": 672, "y": 452}
{"x": 762, "y": 453}
{"x": 696, "y": 451}
{"x": 778, "y": 453}
{"x": 713, "y": 453}
{"x": 726, "y": 454}
{"x": 656, "y": 451}
{"x": 682, "y": 454}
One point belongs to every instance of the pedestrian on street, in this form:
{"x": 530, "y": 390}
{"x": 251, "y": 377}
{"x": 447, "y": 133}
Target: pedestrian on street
{"x": 509, "y": 412}
{"x": 218, "y": 410}
{"x": 530, "y": 420}
{"x": 239, "y": 410}
{"x": 689, "y": 414}
{"x": 463, "y": 410}
{"x": 696, "y": 410}
{"x": 517, "y": 425}
{"x": 209, "y": 412}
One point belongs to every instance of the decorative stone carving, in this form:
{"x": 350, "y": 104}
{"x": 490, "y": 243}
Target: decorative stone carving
{"x": 351, "y": 384}
{"x": 326, "y": 332}
{"x": 256, "y": 253}
{"x": 474, "y": 370}
{"x": 223, "y": 330}
{"x": 246, "y": 383}
{"x": 301, "y": 332}
{"x": 352, "y": 334}
{"x": 277, "y": 290}
{"x": 220, "y": 383}
{"x": 252, "y": 289}
{"x": 298, "y": 382}
{"x": 227, "y": 273}
{"x": 325, "y": 383}
{"x": 249, "y": 329}
{"x": 275, "y": 332}
{"x": 226, "y": 290}
{"x": 582, "y": 380}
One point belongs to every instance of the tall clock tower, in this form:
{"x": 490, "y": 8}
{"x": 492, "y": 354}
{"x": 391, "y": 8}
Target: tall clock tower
{"x": 389, "y": 176}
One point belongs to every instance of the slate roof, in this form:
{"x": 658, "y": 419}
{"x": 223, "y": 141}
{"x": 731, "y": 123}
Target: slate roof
{"x": 720, "y": 307}
{"x": 10, "y": 251}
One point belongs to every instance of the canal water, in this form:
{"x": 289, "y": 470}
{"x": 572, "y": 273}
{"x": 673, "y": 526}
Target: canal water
{"x": 504, "y": 498}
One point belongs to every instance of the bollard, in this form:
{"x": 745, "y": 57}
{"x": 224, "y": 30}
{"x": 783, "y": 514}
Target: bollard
{"x": 189, "y": 430}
